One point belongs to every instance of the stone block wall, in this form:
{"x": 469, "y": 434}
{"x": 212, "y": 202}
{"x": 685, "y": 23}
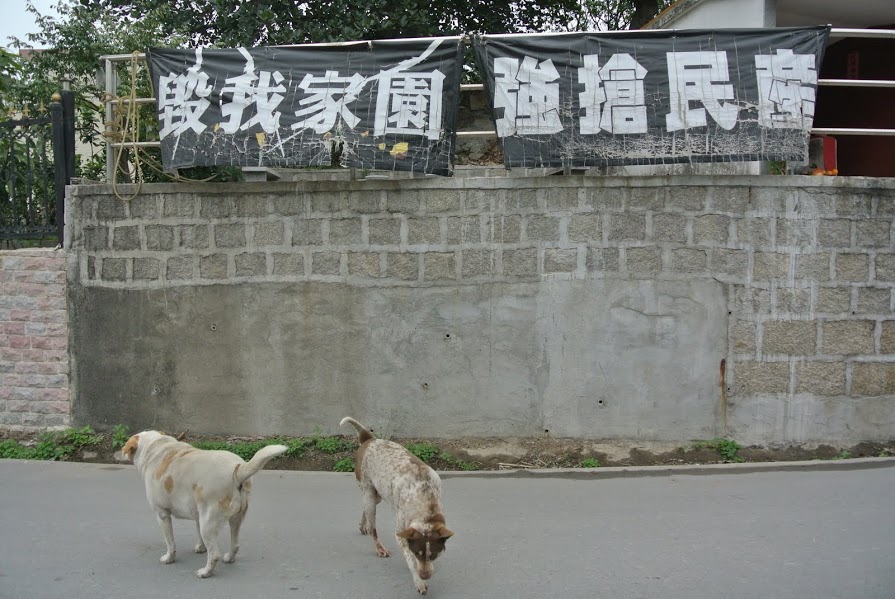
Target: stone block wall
{"x": 806, "y": 267}
{"x": 34, "y": 365}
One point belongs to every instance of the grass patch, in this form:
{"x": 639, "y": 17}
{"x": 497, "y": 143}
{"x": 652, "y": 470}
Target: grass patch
{"x": 120, "y": 435}
{"x": 842, "y": 455}
{"x": 51, "y": 445}
{"x": 424, "y": 451}
{"x": 726, "y": 448}
{"x": 344, "y": 465}
{"x": 333, "y": 444}
{"x": 589, "y": 463}
{"x": 244, "y": 449}
{"x": 297, "y": 446}
{"x": 457, "y": 463}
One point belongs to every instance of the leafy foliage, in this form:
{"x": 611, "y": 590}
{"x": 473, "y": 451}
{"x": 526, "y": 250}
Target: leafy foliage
{"x": 457, "y": 463}
{"x": 228, "y": 23}
{"x": 51, "y": 445}
{"x": 616, "y": 15}
{"x": 424, "y": 451}
{"x": 85, "y": 30}
{"x": 120, "y": 435}
{"x": 332, "y": 444}
{"x": 244, "y": 449}
{"x": 590, "y": 463}
{"x": 344, "y": 465}
{"x": 296, "y": 446}
{"x": 727, "y": 448}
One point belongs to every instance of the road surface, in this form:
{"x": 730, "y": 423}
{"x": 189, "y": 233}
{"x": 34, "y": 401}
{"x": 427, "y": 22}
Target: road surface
{"x": 80, "y": 530}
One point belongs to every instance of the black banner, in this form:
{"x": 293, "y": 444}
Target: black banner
{"x": 645, "y": 97}
{"x": 392, "y": 104}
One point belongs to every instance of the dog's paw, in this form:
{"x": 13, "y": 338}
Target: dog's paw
{"x": 229, "y": 558}
{"x": 363, "y": 529}
{"x": 382, "y": 551}
{"x": 168, "y": 558}
{"x": 200, "y": 548}
{"x": 203, "y": 572}
{"x": 422, "y": 588}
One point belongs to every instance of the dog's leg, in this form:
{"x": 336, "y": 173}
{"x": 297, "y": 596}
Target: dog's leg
{"x": 210, "y": 521}
{"x": 164, "y": 520}
{"x": 235, "y": 522}
{"x": 364, "y": 529}
{"x": 421, "y": 586}
{"x": 200, "y": 546}
{"x": 370, "y": 499}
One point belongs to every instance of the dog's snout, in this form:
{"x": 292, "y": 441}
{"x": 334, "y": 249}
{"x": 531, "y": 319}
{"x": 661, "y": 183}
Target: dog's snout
{"x": 425, "y": 573}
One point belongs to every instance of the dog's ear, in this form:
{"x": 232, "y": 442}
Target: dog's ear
{"x": 130, "y": 448}
{"x": 442, "y": 531}
{"x": 410, "y": 533}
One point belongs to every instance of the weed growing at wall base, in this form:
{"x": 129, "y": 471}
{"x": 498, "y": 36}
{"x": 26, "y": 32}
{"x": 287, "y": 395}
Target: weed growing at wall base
{"x": 424, "y": 451}
{"x": 727, "y": 448}
{"x": 120, "y": 435}
{"x": 344, "y": 465}
{"x": 51, "y": 445}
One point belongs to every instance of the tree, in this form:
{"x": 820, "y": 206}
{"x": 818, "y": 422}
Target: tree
{"x": 88, "y": 29}
{"x": 617, "y": 15}
{"x": 228, "y": 23}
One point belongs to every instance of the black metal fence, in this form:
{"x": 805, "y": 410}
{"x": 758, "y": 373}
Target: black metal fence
{"x": 37, "y": 161}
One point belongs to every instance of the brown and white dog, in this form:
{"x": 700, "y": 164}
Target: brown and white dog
{"x": 210, "y": 487}
{"x": 386, "y": 470}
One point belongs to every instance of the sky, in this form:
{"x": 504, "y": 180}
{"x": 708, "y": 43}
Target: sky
{"x": 19, "y": 22}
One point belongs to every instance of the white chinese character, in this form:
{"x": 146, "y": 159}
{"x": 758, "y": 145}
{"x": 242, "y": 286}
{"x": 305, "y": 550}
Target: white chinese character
{"x": 695, "y": 77}
{"x": 322, "y": 107}
{"x": 619, "y": 83}
{"x": 530, "y": 102}
{"x": 247, "y": 89}
{"x": 183, "y": 100}
{"x": 787, "y": 86}
{"x": 409, "y": 103}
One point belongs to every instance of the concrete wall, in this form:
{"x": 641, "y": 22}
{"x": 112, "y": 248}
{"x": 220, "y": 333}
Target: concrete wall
{"x": 33, "y": 340}
{"x": 665, "y": 308}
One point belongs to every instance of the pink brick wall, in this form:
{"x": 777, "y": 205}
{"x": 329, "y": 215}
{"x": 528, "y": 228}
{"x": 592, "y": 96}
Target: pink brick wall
{"x": 33, "y": 340}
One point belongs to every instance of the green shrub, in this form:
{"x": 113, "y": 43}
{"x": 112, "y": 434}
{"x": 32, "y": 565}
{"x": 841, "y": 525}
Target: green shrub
{"x": 344, "y": 465}
{"x": 296, "y": 446}
{"x": 332, "y": 444}
{"x": 424, "y": 451}
{"x": 51, "y": 445}
{"x": 727, "y": 448}
{"x": 589, "y": 463}
{"x": 120, "y": 435}
{"x": 457, "y": 463}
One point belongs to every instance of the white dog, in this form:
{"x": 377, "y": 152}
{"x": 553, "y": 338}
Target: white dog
{"x": 210, "y": 487}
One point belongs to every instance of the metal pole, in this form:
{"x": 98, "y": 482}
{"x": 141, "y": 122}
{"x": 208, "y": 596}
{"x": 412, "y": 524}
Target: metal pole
{"x": 110, "y": 151}
{"x": 68, "y": 119}
{"x": 59, "y": 167}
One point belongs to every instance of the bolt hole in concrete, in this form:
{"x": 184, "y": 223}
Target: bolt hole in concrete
{"x": 425, "y": 385}
{"x": 546, "y": 430}
{"x": 214, "y": 327}
{"x": 448, "y": 336}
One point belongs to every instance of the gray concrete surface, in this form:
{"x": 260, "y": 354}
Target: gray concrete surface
{"x": 664, "y": 308}
{"x": 476, "y": 360}
{"x": 76, "y": 530}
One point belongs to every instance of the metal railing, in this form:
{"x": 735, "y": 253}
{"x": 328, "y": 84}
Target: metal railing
{"x": 111, "y": 60}
{"x": 37, "y": 161}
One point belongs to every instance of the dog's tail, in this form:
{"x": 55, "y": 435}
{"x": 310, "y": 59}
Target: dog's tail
{"x": 246, "y": 471}
{"x": 363, "y": 435}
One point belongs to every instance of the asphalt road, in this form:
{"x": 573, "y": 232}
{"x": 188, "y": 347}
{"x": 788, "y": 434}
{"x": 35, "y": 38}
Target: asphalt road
{"x": 78, "y": 530}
